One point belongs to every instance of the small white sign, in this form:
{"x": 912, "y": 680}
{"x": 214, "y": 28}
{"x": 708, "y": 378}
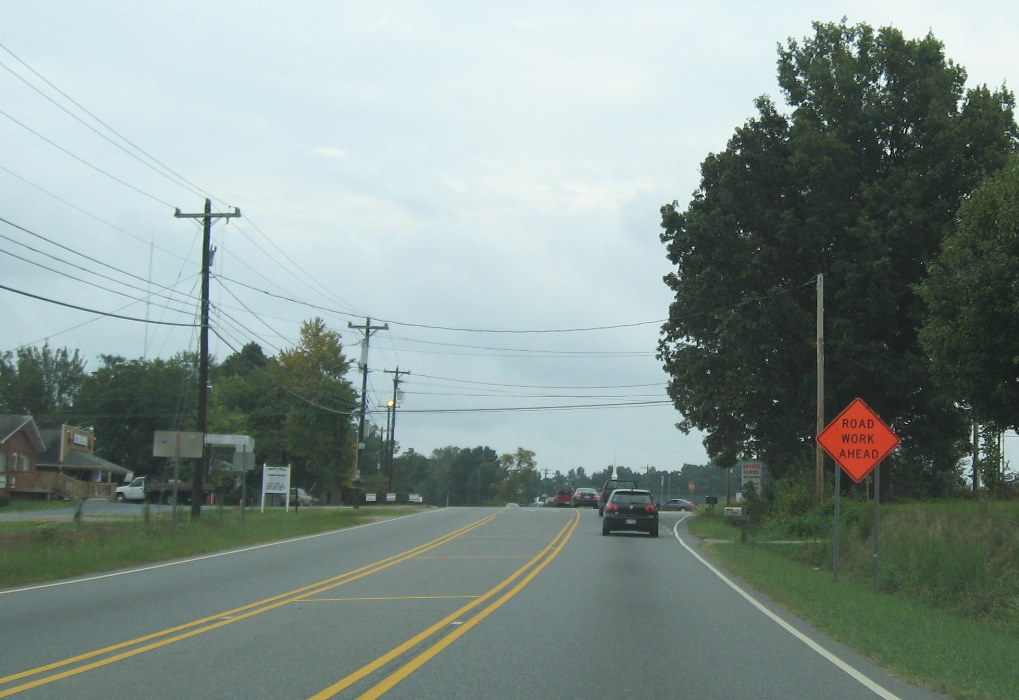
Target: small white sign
{"x": 752, "y": 473}
{"x": 390, "y": 498}
{"x": 276, "y": 480}
{"x": 369, "y": 497}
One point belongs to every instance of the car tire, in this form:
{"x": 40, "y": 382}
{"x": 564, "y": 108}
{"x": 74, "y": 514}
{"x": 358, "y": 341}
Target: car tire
{"x": 601, "y": 512}
{"x": 120, "y": 498}
{"x": 604, "y": 531}
{"x": 653, "y": 533}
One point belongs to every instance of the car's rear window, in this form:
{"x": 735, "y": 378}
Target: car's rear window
{"x": 631, "y": 499}
{"x": 619, "y": 484}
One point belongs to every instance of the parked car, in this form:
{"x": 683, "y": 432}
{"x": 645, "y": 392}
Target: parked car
{"x": 679, "y": 504}
{"x": 585, "y": 497}
{"x": 564, "y": 496}
{"x": 630, "y": 509}
{"x": 609, "y": 486}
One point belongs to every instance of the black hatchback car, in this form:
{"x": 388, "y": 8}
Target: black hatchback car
{"x": 630, "y": 509}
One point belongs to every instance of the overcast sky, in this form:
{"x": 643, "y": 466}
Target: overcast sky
{"x": 485, "y": 178}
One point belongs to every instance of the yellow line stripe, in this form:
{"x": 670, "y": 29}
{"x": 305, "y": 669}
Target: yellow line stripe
{"x": 394, "y": 597}
{"x": 216, "y": 621}
{"x": 410, "y": 667}
{"x": 479, "y": 556}
{"x": 401, "y": 649}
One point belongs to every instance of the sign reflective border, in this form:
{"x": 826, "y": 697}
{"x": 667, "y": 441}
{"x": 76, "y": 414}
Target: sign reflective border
{"x": 858, "y": 440}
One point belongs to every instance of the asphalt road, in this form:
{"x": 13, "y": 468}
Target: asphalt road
{"x": 451, "y": 603}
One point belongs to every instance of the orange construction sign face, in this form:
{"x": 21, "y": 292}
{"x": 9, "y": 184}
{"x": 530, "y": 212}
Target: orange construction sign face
{"x": 858, "y": 440}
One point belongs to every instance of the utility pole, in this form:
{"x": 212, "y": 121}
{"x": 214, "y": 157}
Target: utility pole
{"x": 819, "y": 454}
{"x": 203, "y": 360}
{"x": 392, "y": 426}
{"x": 363, "y": 364}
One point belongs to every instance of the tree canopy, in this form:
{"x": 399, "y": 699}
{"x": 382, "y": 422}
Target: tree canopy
{"x": 126, "y": 401}
{"x": 973, "y": 321}
{"x": 860, "y": 183}
{"x": 40, "y": 382}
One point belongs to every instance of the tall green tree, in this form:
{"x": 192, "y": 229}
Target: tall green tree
{"x": 126, "y": 401}
{"x": 319, "y": 406}
{"x": 519, "y": 477}
{"x": 246, "y": 399}
{"x": 40, "y": 382}
{"x": 971, "y": 333}
{"x": 859, "y": 182}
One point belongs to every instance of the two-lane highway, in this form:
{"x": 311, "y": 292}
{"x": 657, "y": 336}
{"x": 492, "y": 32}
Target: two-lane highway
{"x": 456, "y": 603}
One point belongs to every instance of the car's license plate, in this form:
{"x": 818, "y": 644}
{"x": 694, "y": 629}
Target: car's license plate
{"x": 631, "y": 521}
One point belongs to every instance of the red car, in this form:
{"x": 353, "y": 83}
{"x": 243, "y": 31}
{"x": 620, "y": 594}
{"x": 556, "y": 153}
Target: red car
{"x": 564, "y": 497}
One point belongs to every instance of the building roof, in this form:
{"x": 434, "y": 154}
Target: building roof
{"x": 75, "y": 459}
{"x": 11, "y": 424}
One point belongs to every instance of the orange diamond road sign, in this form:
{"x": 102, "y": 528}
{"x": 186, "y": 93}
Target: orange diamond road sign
{"x": 858, "y": 440}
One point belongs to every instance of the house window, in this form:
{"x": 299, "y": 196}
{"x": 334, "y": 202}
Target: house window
{"x": 3, "y": 460}
{"x": 26, "y": 463}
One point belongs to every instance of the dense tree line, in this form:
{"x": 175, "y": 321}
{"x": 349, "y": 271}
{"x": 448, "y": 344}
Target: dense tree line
{"x": 873, "y": 180}
{"x": 298, "y": 406}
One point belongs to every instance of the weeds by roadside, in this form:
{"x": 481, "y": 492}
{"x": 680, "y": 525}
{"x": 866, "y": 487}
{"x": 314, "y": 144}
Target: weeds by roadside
{"x": 43, "y": 551}
{"x": 947, "y": 614}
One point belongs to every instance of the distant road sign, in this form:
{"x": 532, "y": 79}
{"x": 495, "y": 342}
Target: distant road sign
{"x": 751, "y": 473}
{"x": 858, "y": 440}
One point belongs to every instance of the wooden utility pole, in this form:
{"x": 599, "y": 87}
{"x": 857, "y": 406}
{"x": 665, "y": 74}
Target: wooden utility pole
{"x": 392, "y": 426}
{"x": 363, "y": 364}
{"x": 819, "y": 455}
{"x": 203, "y": 361}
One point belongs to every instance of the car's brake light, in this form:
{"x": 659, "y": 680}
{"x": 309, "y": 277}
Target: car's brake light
{"x": 651, "y": 508}
{"x": 612, "y": 507}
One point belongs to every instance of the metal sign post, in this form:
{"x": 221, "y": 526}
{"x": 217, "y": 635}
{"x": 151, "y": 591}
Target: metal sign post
{"x": 858, "y": 440}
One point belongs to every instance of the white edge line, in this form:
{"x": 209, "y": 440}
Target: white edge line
{"x": 836, "y": 661}
{"x": 203, "y": 557}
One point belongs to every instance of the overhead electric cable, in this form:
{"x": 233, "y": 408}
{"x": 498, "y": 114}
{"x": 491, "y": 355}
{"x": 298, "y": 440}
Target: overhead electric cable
{"x": 86, "y": 213}
{"x": 525, "y": 409}
{"x": 540, "y": 386}
{"x": 449, "y": 328}
{"x": 96, "y": 311}
{"x": 93, "y": 284}
{"x": 85, "y": 162}
{"x": 166, "y": 170}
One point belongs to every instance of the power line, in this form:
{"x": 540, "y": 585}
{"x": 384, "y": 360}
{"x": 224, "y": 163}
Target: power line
{"x": 95, "y": 311}
{"x": 541, "y": 386}
{"x": 83, "y": 161}
{"x": 447, "y": 328}
{"x": 163, "y": 170}
{"x": 530, "y": 409}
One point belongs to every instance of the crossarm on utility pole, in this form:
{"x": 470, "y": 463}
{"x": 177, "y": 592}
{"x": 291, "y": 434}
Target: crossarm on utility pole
{"x": 203, "y": 362}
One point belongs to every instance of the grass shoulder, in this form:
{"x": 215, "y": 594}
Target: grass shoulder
{"x": 936, "y": 648}
{"x": 36, "y": 551}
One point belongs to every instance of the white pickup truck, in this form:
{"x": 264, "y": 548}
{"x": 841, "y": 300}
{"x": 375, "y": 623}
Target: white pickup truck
{"x": 146, "y": 488}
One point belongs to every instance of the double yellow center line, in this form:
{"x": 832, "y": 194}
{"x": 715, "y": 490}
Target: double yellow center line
{"x": 92, "y": 660}
{"x": 525, "y": 574}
